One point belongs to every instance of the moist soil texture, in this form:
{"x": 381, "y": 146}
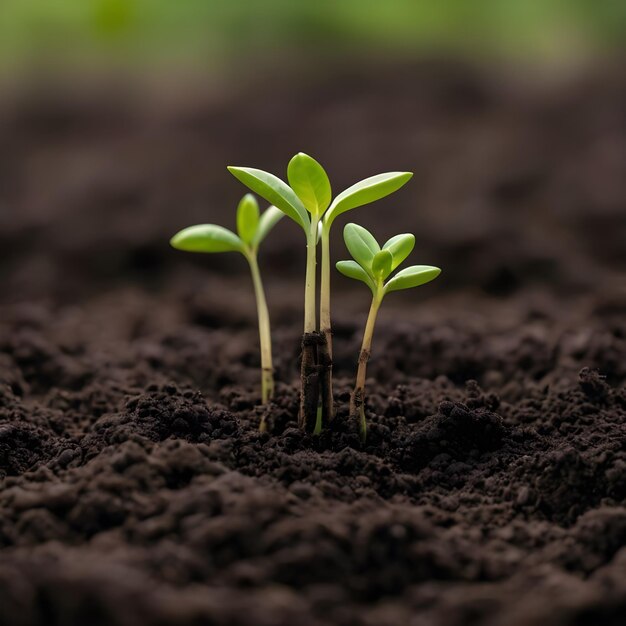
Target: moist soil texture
{"x": 135, "y": 486}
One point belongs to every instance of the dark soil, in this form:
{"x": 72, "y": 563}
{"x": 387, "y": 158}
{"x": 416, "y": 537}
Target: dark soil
{"x": 135, "y": 487}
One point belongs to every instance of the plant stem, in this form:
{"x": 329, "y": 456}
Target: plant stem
{"x": 326, "y": 382}
{"x": 267, "y": 370}
{"x": 357, "y": 400}
{"x": 309, "y": 291}
{"x": 325, "y": 286}
{"x": 309, "y": 374}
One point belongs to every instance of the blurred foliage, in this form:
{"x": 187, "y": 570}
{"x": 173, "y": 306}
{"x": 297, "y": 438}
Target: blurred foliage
{"x": 213, "y": 32}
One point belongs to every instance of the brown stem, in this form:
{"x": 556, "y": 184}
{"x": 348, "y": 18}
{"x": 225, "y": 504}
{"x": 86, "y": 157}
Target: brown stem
{"x": 326, "y": 357}
{"x": 309, "y": 372}
{"x": 325, "y": 362}
{"x": 357, "y": 398}
{"x": 310, "y": 379}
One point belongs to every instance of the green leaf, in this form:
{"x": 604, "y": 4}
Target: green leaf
{"x": 352, "y": 269}
{"x": 381, "y": 264}
{"x": 270, "y": 217}
{"x": 400, "y": 247}
{"x": 247, "y": 217}
{"x": 366, "y": 191}
{"x": 413, "y": 276}
{"x": 207, "y": 238}
{"x": 310, "y": 182}
{"x": 275, "y": 191}
{"x": 361, "y": 245}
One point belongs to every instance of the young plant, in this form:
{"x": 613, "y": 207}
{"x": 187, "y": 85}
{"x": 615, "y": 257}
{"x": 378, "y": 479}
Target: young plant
{"x": 252, "y": 228}
{"x": 307, "y": 201}
{"x": 364, "y": 192}
{"x": 373, "y": 265}
{"x": 304, "y": 202}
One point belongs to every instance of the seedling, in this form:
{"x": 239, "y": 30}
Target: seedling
{"x": 252, "y": 228}
{"x": 373, "y": 265}
{"x": 307, "y": 201}
{"x": 312, "y": 183}
{"x": 364, "y": 192}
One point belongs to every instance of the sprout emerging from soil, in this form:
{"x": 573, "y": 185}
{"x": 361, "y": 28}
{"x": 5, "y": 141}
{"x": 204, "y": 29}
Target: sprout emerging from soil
{"x": 364, "y": 192}
{"x": 309, "y": 178}
{"x": 252, "y": 228}
{"x": 373, "y": 265}
{"x": 307, "y": 201}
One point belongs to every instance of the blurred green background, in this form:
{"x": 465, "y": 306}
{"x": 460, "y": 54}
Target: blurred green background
{"x": 211, "y": 34}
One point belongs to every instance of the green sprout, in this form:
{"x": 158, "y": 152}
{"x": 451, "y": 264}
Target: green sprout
{"x": 252, "y": 228}
{"x": 307, "y": 201}
{"x": 364, "y": 192}
{"x": 313, "y": 185}
{"x": 373, "y": 265}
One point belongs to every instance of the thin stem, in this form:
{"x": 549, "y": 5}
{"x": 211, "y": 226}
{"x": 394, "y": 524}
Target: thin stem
{"x": 357, "y": 401}
{"x": 326, "y": 357}
{"x": 310, "y": 322}
{"x": 309, "y": 372}
{"x": 325, "y": 326}
{"x": 267, "y": 370}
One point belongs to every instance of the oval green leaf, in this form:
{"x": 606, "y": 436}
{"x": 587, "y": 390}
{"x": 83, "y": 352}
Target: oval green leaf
{"x": 247, "y": 217}
{"x": 381, "y": 264}
{"x": 361, "y": 245}
{"x": 366, "y": 191}
{"x": 400, "y": 247}
{"x": 207, "y": 238}
{"x": 413, "y": 276}
{"x": 310, "y": 182}
{"x": 275, "y": 191}
{"x": 352, "y": 269}
{"x": 270, "y": 217}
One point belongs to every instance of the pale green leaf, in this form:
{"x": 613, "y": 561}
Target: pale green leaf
{"x": 207, "y": 238}
{"x": 413, "y": 276}
{"x": 269, "y": 218}
{"x": 352, "y": 269}
{"x": 366, "y": 191}
{"x": 274, "y": 191}
{"x": 361, "y": 245}
{"x": 247, "y": 217}
{"x": 400, "y": 247}
{"x": 310, "y": 182}
{"x": 381, "y": 264}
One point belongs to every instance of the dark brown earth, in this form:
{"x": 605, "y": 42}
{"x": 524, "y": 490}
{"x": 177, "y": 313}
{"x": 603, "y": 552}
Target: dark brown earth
{"x": 135, "y": 488}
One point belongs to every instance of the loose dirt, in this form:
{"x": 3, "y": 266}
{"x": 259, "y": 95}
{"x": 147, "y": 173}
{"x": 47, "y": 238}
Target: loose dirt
{"x": 135, "y": 487}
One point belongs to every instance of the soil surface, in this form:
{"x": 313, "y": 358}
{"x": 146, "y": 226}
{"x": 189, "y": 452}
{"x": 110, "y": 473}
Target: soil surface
{"x": 135, "y": 487}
